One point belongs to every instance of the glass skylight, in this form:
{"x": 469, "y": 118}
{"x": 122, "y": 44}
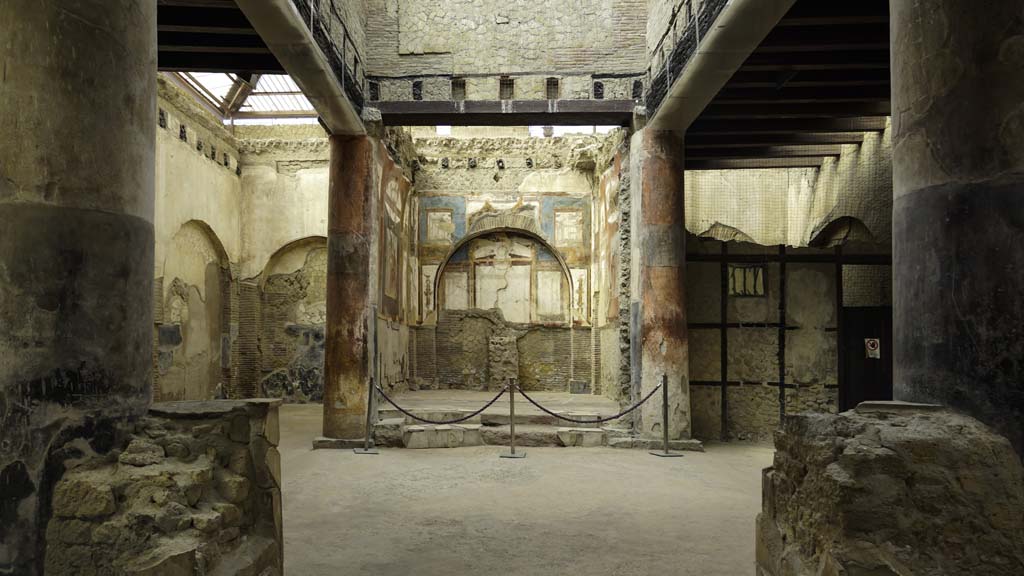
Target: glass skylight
{"x": 266, "y": 97}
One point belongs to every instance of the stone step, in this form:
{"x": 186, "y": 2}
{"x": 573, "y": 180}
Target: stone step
{"x": 582, "y": 437}
{"x": 441, "y": 436}
{"x": 388, "y": 432}
{"x": 655, "y": 444}
{"x": 439, "y": 415}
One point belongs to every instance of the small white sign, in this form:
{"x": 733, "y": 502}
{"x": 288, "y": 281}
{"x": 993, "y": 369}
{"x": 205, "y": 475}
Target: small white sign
{"x": 873, "y": 348}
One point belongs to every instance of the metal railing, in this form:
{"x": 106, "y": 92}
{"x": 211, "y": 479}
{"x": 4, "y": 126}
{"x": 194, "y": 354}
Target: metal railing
{"x": 661, "y": 75}
{"x": 511, "y": 387}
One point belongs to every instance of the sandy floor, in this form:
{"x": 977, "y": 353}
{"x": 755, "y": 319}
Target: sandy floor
{"x": 559, "y": 511}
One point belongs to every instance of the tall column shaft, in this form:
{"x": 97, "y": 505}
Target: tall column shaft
{"x": 350, "y": 230}
{"x": 658, "y": 307}
{"x": 958, "y": 221}
{"x": 77, "y": 161}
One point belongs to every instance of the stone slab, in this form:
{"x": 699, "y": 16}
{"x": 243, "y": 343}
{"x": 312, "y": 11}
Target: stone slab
{"x": 322, "y": 442}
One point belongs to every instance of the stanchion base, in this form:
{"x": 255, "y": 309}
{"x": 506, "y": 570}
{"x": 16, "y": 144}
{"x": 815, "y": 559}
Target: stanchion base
{"x": 663, "y": 454}
{"x": 511, "y": 455}
{"x": 366, "y": 451}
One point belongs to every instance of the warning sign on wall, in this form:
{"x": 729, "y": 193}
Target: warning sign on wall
{"x": 872, "y": 348}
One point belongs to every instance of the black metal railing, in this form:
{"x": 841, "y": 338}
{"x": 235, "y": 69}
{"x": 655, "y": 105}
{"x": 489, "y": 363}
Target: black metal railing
{"x": 661, "y": 75}
{"x": 327, "y": 26}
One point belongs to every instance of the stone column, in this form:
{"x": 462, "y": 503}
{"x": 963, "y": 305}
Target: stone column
{"x": 77, "y": 161}
{"x": 958, "y": 215}
{"x": 658, "y": 305}
{"x": 350, "y": 232}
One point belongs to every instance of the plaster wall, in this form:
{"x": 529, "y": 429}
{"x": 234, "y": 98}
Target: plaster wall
{"x": 197, "y": 229}
{"x": 285, "y": 184}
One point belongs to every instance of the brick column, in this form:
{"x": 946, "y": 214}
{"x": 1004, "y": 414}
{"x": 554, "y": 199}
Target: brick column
{"x": 350, "y": 230}
{"x": 658, "y": 305}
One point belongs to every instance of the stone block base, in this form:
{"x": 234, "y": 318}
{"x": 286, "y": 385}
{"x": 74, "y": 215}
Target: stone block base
{"x": 891, "y": 489}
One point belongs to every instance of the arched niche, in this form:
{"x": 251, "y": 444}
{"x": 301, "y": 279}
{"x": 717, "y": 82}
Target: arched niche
{"x": 193, "y": 317}
{"x": 483, "y": 233}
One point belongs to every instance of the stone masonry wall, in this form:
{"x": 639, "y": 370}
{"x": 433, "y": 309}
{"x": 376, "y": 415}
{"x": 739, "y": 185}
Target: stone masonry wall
{"x": 197, "y": 490}
{"x": 578, "y": 41}
{"x": 891, "y": 489}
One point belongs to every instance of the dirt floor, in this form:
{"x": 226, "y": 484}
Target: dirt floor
{"x": 559, "y": 511}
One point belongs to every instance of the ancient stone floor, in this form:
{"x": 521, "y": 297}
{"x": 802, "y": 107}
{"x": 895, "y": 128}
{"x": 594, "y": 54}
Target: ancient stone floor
{"x": 559, "y": 511}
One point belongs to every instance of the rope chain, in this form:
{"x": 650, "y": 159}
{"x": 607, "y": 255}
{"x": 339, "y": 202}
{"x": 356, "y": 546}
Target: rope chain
{"x": 440, "y": 422}
{"x": 599, "y": 420}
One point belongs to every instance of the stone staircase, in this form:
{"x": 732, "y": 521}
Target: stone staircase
{"x": 491, "y": 428}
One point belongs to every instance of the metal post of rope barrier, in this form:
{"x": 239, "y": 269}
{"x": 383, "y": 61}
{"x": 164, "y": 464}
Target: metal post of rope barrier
{"x": 665, "y": 453}
{"x": 512, "y": 422}
{"x": 367, "y": 448}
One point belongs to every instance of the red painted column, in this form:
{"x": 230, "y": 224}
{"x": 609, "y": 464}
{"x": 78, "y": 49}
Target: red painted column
{"x": 658, "y": 306}
{"x": 349, "y": 268}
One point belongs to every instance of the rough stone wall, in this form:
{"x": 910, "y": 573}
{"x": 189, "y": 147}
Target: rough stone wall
{"x": 611, "y": 270}
{"x": 293, "y": 312}
{"x": 891, "y": 489}
{"x": 794, "y": 206}
{"x": 197, "y": 490}
{"x": 578, "y": 41}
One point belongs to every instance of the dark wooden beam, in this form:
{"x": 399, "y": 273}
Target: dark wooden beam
{"x": 809, "y": 78}
{"x": 736, "y": 110}
{"x": 787, "y": 139}
{"x": 506, "y": 113}
{"x": 195, "y": 42}
{"x": 217, "y": 18}
{"x": 786, "y": 126}
{"x": 827, "y": 38}
{"x": 695, "y": 153}
{"x": 804, "y": 95}
{"x": 754, "y": 164}
{"x": 198, "y": 3}
{"x": 173, "y": 61}
{"x": 818, "y": 13}
{"x": 832, "y": 60}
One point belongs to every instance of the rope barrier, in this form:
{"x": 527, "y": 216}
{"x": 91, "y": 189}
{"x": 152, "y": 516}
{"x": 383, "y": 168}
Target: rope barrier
{"x": 599, "y": 420}
{"x": 439, "y": 422}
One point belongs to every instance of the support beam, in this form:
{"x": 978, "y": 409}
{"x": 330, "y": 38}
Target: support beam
{"x": 507, "y": 113}
{"x": 784, "y": 139}
{"x": 755, "y": 163}
{"x": 721, "y": 127}
{"x": 958, "y": 231}
{"x": 739, "y": 29}
{"x": 737, "y": 110}
{"x": 280, "y": 25}
{"x": 657, "y": 298}
{"x": 77, "y": 189}
{"x": 350, "y": 318}
{"x": 693, "y": 153}
{"x": 834, "y": 60}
